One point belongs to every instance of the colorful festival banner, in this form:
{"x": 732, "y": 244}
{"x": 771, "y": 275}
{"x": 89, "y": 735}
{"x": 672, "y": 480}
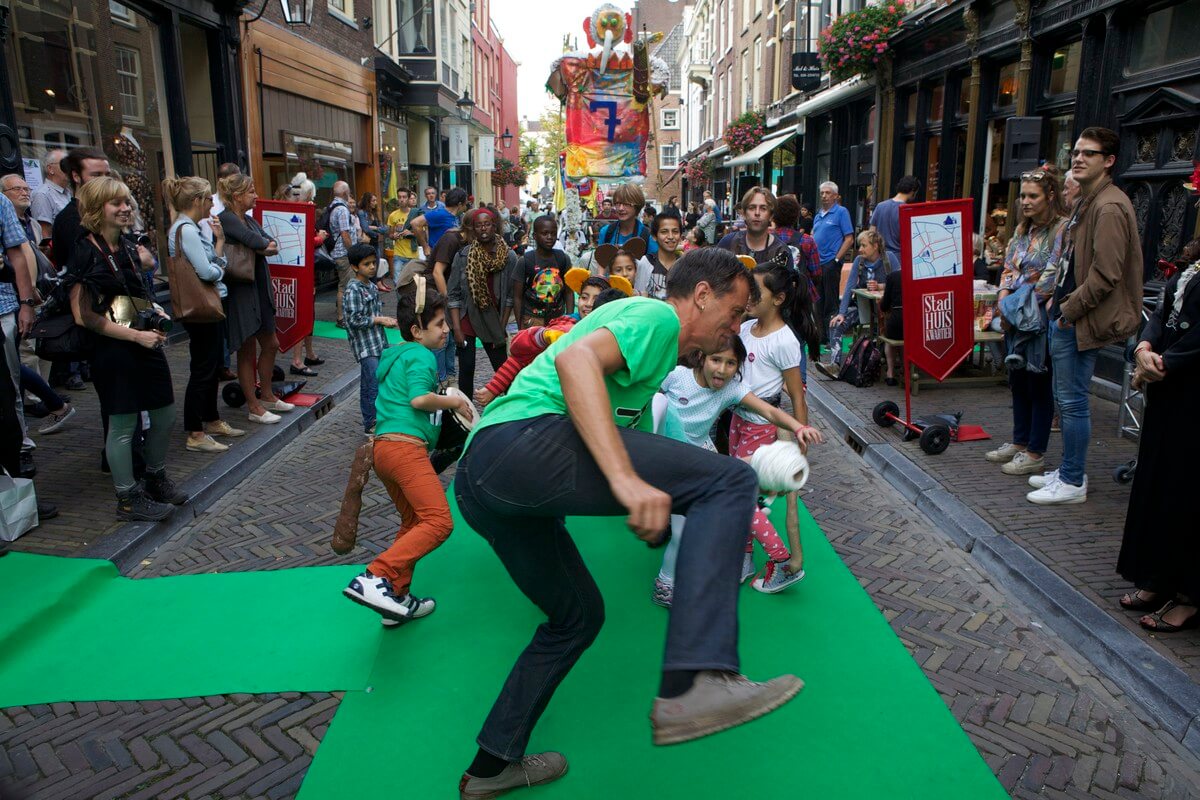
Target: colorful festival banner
{"x": 606, "y": 130}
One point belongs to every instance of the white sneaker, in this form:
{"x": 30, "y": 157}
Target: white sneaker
{"x": 265, "y": 418}
{"x": 1004, "y": 453}
{"x": 278, "y": 405}
{"x": 1059, "y": 493}
{"x": 747, "y": 568}
{"x": 378, "y": 594}
{"x": 776, "y": 578}
{"x": 1023, "y": 464}
{"x": 421, "y": 607}
{"x": 1038, "y": 481}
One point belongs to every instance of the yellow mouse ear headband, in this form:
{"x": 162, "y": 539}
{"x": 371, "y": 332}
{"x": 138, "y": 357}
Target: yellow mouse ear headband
{"x": 748, "y": 261}
{"x": 419, "y": 285}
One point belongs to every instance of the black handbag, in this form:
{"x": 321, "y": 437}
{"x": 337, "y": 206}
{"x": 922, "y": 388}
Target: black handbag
{"x": 59, "y": 338}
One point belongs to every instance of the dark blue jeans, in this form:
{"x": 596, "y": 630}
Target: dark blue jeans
{"x": 1073, "y": 369}
{"x": 503, "y": 494}
{"x": 1033, "y": 408}
{"x": 368, "y": 390}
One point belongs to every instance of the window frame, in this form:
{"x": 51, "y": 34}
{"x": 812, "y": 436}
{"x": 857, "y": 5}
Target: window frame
{"x": 344, "y": 15}
{"x": 663, "y": 151}
{"x": 662, "y": 121}
{"x": 139, "y": 95}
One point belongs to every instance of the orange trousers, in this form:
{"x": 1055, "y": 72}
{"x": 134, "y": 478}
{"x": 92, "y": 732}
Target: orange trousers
{"x": 425, "y": 520}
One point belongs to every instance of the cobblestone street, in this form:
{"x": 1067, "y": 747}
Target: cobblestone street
{"x": 1041, "y": 717}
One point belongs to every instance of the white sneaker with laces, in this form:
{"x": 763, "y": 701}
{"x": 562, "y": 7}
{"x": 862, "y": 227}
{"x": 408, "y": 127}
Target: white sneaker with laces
{"x": 419, "y": 606}
{"x": 1038, "y": 481}
{"x": 1023, "y": 464}
{"x": 1004, "y": 453}
{"x": 1059, "y": 493}
{"x": 776, "y": 578}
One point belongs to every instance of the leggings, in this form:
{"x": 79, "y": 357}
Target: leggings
{"x": 744, "y": 438}
{"x": 119, "y": 445}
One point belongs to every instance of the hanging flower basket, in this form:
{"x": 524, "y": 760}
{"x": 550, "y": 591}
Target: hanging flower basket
{"x": 507, "y": 173}
{"x": 699, "y": 170}
{"x": 857, "y": 41}
{"x": 746, "y": 132}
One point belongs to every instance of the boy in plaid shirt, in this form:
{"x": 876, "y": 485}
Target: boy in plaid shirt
{"x": 364, "y": 326}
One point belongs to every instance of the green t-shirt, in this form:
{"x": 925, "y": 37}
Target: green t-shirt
{"x": 405, "y": 372}
{"x": 647, "y": 332}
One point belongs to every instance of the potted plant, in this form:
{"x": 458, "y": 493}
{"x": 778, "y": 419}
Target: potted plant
{"x": 699, "y": 170}
{"x": 858, "y": 40}
{"x": 746, "y": 132}
{"x": 507, "y": 173}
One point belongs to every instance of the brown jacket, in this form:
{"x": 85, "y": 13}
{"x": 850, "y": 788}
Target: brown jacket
{"x": 1106, "y": 306}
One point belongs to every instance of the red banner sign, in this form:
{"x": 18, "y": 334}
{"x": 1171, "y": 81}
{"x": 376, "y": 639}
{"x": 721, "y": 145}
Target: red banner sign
{"x": 939, "y": 298}
{"x": 291, "y": 226}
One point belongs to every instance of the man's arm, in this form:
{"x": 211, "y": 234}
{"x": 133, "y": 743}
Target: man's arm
{"x": 420, "y": 230}
{"x": 24, "y": 284}
{"x": 847, "y": 241}
{"x": 1108, "y": 263}
{"x": 581, "y": 370}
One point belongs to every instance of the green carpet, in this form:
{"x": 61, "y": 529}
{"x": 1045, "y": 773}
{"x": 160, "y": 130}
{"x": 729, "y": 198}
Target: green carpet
{"x": 328, "y": 330}
{"x": 867, "y": 725}
{"x": 74, "y": 629}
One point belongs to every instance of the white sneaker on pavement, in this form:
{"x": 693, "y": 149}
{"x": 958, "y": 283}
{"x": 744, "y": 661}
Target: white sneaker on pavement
{"x": 1004, "y": 453}
{"x": 1059, "y": 493}
{"x": 1038, "y": 481}
{"x": 1023, "y": 464}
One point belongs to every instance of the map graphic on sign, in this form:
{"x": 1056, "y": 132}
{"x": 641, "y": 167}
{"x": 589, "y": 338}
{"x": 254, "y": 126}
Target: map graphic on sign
{"x": 937, "y": 241}
{"x": 288, "y": 229}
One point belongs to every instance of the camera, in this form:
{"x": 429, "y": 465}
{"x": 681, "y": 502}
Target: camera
{"x": 147, "y": 319}
{"x": 137, "y": 239}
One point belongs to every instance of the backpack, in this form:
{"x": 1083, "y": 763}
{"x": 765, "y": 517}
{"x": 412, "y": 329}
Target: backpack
{"x": 323, "y": 225}
{"x": 863, "y": 363}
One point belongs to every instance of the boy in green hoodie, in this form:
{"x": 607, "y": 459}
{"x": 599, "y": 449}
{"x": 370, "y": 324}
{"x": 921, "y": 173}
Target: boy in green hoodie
{"x": 408, "y": 414}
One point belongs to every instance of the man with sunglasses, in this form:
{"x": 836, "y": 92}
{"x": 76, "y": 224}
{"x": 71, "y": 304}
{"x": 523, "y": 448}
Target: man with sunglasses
{"x": 1097, "y": 302}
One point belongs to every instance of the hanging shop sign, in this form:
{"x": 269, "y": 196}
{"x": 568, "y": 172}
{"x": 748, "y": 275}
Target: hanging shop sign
{"x": 806, "y": 72}
{"x": 460, "y": 152}
{"x": 485, "y": 154}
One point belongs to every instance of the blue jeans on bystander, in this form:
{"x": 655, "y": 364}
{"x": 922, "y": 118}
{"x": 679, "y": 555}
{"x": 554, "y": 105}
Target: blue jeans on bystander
{"x": 368, "y": 390}
{"x": 1073, "y": 370}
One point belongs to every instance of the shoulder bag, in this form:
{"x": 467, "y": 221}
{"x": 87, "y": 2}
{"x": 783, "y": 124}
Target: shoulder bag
{"x": 192, "y": 300}
{"x": 239, "y": 262}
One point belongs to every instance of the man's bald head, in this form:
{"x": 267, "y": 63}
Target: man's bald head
{"x": 341, "y": 189}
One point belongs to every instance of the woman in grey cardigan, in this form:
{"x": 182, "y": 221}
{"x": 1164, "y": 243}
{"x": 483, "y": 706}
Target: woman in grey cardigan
{"x": 480, "y": 296}
{"x": 250, "y": 312}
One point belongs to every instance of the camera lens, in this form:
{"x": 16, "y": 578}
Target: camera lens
{"x": 164, "y": 325}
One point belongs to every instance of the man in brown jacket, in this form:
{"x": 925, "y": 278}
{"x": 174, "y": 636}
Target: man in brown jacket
{"x": 1097, "y": 302}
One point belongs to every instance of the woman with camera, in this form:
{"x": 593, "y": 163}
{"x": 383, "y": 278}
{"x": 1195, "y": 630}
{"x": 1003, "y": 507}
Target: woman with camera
{"x": 192, "y": 200}
{"x": 250, "y": 311}
{"x": 129, "y": 370}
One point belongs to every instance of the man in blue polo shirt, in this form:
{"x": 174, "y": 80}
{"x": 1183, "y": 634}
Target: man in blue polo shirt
{"x": 835, "y": 236}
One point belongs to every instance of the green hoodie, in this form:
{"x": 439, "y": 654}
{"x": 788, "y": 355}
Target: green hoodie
{"x": 405, "y": 372}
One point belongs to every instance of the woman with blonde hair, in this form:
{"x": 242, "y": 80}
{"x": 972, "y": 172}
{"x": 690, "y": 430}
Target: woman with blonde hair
{"x": 129, "y": 371}
{"x": 869, "y": 271}
{"x": 192, "y": 200}
{"x": 250, "y": 309}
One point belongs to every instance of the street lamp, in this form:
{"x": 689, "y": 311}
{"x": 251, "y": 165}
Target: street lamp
{"x": 507, "y": 138}
{"x": 297, "y": 12}
{"x": 465, "y": 105}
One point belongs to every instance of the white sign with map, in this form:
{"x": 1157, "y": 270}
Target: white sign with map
{"x": 289, "y": 230}
{"x": 937, "y": 245}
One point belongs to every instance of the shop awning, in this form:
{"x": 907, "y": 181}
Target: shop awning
{"x": 720, "y": 151}
{"x": 845, "y": 91}
{"x": 765, "y": 146}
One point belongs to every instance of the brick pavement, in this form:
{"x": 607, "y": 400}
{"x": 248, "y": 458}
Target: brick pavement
{"x": 1078, "y": 542}
{"x": 68, "y": 462}
{"x": 1042, "y": 718}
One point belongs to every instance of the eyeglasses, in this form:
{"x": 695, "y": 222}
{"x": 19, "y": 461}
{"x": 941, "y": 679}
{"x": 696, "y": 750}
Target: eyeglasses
{"x": 1033, "y": 176}
{"x": 1087, "y": 153}
{"x": 21, "y": 189}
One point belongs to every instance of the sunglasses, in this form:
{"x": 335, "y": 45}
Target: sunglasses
{"x": 1087, "y": 153}
{"x": 1033, "y": 176}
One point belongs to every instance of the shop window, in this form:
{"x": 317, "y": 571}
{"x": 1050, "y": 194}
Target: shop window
{"x": 1058, "y": 141}
{"x": 824, "y": 149}
{"x": 90, "y": 75}
{"x": 668, "y": 156}
{"x": 937, "y": 99}
{"x": 1064, "y": 69}
{"x": 964, "y": 97}
{"x": 910, "y": 110}
{"x": 1167, "y": 36}
{"x": 129, "y": 84}
{"x": 910, "y": 154}
{"x": 325, "y": 162}
{"x": 1006, "y": 86}
{"x": 931, "y": 172}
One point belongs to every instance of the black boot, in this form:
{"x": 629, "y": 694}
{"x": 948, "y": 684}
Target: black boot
{"x": 162, "y": 489}
{"x": 135, "y": 505}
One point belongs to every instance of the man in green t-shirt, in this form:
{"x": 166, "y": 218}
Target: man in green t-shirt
{"x": 573, "y": 414}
